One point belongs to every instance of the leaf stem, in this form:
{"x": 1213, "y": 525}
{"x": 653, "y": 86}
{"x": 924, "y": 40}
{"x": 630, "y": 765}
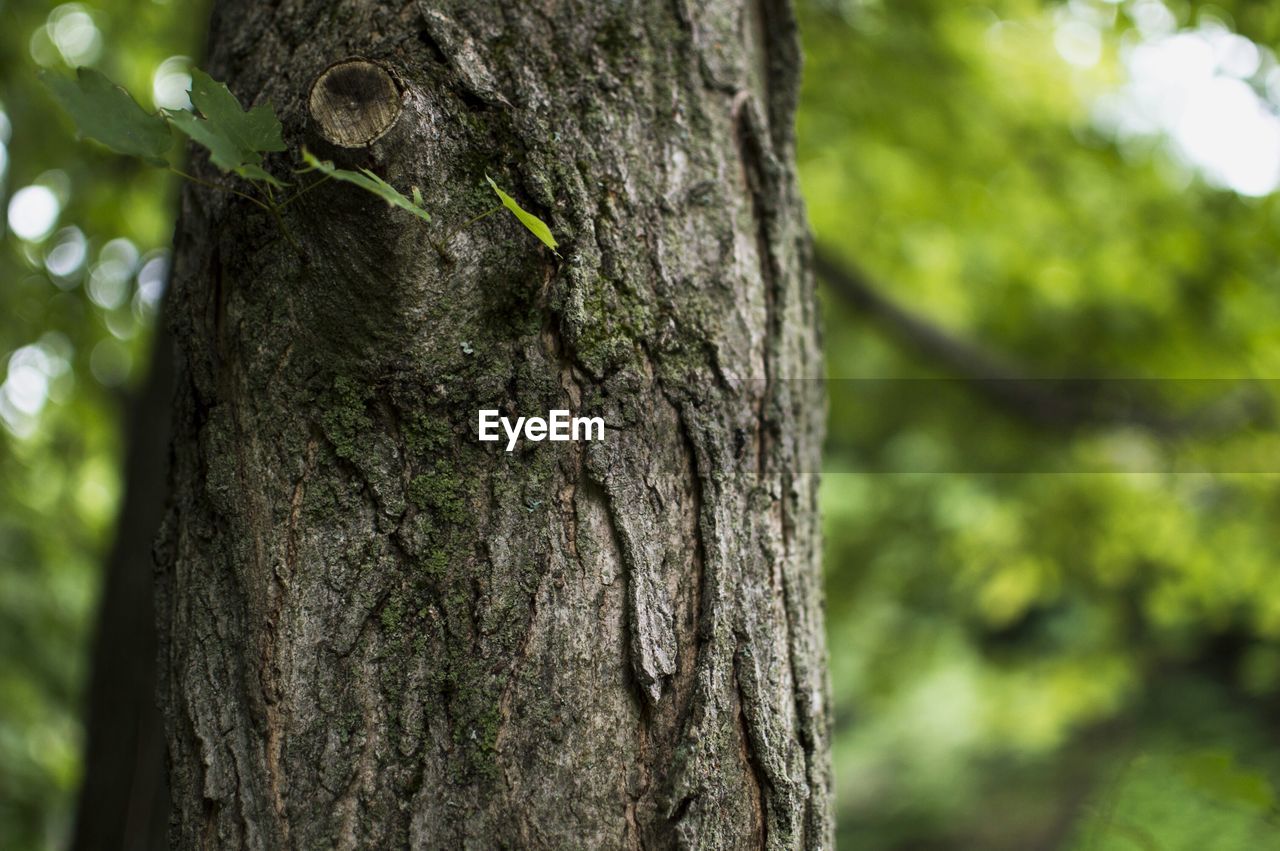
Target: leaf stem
{"x": 303, "y": 191}
{"x": 219, "y": 186}
{"x": 453, "y": 231}
{"x": 442, "y": 246}
{"x": 472, "y": 221}
{"x": 274, "y": 209}
{"x": 284, "y": 229}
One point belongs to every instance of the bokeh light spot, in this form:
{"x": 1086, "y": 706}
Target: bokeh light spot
{"x": 1079, "y": 43}
{"x": 33, "y": 211}
{"x": 1193, "y": 88}
{"x": 110, "y": 362}
{"x": 67, "y": 255}
{"x": 73, "y": 32}
{"x": 152, "y": 278}
{"x": 171, "y": 83}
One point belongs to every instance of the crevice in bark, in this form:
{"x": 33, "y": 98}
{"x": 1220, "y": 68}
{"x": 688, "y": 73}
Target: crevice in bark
{"x": 782, "y": 62}
{"x": 760, "y": 787}
{"x": 645, "y": 674}
{"x": 758, "y": 168}
{"x": 701, "y": 615}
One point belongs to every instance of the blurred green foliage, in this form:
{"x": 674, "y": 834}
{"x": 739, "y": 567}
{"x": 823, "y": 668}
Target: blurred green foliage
{"x": 77, "y": 301}
{"x": 985, "y": 627}
{"x": 1082, "y": 654}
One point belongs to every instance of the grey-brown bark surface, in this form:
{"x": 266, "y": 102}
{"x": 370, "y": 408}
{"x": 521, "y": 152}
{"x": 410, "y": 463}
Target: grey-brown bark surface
{"x": 379, "y": 632}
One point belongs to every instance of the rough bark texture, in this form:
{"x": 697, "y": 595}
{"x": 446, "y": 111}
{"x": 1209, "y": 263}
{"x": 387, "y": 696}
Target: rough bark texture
{"x": 380, "y": 632}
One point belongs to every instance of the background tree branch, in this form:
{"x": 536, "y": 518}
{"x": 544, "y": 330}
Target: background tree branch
{"x": 1059, "y": 403}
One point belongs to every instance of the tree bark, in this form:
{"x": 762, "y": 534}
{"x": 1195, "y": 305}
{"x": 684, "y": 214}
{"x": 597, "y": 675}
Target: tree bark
{"x": 379, "y": 632}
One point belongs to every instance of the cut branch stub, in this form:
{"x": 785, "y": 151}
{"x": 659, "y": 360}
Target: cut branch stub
{"x": 354, "y": 102}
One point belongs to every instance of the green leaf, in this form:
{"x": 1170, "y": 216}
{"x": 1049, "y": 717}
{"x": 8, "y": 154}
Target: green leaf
{"x": 536, "y": 226}
{"x": 254, "y": 131}
{"x": 223, "y": 152}
{"x": 106, "y": 113}
{"x": 1218, "y": 774}
{"x": 370, "y": 182}
{"x": 236, "y": 139}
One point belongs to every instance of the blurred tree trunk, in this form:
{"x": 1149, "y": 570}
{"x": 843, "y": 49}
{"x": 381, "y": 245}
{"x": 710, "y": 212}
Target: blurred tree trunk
{"x": 377, "y": 631}
{"x": 124, "y": 799}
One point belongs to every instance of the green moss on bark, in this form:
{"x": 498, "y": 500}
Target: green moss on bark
{"x": 344, "y": 417}
{"x": 439, "y": 492}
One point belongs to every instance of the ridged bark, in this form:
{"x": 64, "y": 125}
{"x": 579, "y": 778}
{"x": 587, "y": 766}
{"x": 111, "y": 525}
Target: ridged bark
{"x": 379, "y": 632}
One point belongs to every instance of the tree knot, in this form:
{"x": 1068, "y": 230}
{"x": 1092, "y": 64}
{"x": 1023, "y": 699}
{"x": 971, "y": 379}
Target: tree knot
{"x": 354, "y": 102}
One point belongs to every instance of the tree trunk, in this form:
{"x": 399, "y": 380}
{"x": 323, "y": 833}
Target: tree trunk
{"x": 124, "y": 801}
{"x": 380, "y": 632}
